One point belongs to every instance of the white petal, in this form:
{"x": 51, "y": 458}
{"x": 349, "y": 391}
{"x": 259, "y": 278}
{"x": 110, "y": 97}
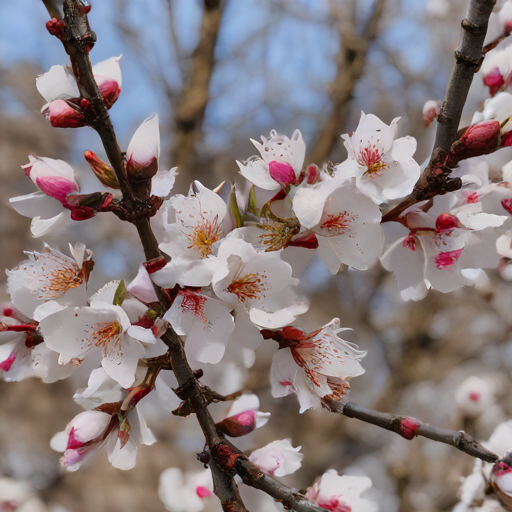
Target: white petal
{"x": 36, "y": 204}
{"x": 163, "y": 181}
{"x": 144, "y": 147}
{"x": 40, "y": 227}
{"x": 57, "y": 84}
{"x": 256, "y": 171}
{"x": 109, "y": 68}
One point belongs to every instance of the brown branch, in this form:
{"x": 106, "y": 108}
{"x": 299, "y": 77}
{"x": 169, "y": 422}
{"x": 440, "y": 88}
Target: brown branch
{"x": 195, "y": 93}
{"x": 78, "y": 40}
{"x": 351, "y": 60}
{"x": 409, "y": 427}
{"x": 468, "y": 59}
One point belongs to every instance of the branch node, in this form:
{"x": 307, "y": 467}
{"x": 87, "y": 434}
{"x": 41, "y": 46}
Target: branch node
{"x": 468, "y": 61}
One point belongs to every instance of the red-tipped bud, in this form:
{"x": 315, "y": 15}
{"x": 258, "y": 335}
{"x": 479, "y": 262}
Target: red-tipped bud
{"x": 494, "y": 80}
{"x": 308, "y": 241}
{"x": 239, "y": 425}
{"x": 408, "y": 427}
{"x": 144, "y": 150}
{"x": 109, "y": 89}
{"x": 312, "y": 174}
{"x": 446, "y": 221}
{"x": 61, "y": 115}
{"x": 102, "y": 170}
{"x": 479, "y": 139}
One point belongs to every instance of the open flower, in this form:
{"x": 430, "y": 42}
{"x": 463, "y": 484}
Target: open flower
{"x": 278, "y": 458}
{"x": 257, "y": 282}
{"x": 243, "y": 417}
{"x": 436, "y": 248}
{"x": 59, "y": 88}
{"x": 315, "y": 366}
{"x": 280, "y": 164}
{"x": 345, "y": 222}
{"x": 383, "y": 167}
{"x": 200, "y": 222}
{"x": 50, "y": 275}
{"x": 188, "y": 492}
{"x": 341, "y": 493}
{"x": 75, "y": 332}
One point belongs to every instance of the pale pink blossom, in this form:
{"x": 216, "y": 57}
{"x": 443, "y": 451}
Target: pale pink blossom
{"x": 341, "y": 493}
{"x": 475, "y": 395}
{"x": 143, "y": 151}
{"x": 278, "y": 458}
{"x": 189, "y": 492}
{"x": 314, "y": 366}
{"x": 383, "y": 166}
{"x": 496, "y": 69}
{"x": 280, "y": 164}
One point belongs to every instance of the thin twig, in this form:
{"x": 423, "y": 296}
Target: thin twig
{"x": 409, "y": 427}
{"x": 468, "y": 58}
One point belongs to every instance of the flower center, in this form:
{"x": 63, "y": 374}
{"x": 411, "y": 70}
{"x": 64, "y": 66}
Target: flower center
{"x": 193, "y": 303}
{"x": 279, "y": 234}
{"x": 371, "y": 158}
{"x": 107, "y": 335}
{"x": 337, "y": 224}
{"x": 247, "y": 287}
{"x": 203, "y": 236}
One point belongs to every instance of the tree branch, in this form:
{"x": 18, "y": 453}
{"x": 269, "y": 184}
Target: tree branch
{"x": 78, "y": 40}
{"x": 195, "y": 94}
{"x": 409, "y": 427}
{"x": 351, "y": 60}
{"x": 468, "y": 59}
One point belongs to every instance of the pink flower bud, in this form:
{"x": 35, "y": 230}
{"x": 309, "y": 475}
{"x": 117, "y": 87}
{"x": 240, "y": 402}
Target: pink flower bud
{"x": 144, "y": 150}
{"x": 102, "y": 170}
{"x": 61, "y": 115}
{"x": 53, "y": 177}
{"x": 479, "y": 139}
{"x": 431, "y": 110}
{"x": 239, "y": 425}
{"x": 494, "y": 80}
{"x": 408, "y": 427}
{"x": 109, "y": 88}
{"x": 312, "y": 174}
{"x": 282, "y": 173}
{"x": 446, "y": 222}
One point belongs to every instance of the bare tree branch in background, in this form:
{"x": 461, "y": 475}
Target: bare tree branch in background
{"x": 351, "y": 60}
{"x": 194, "y": 96}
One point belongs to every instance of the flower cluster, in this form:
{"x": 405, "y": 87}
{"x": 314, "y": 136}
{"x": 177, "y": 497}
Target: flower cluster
{"x": 228, "y": 275}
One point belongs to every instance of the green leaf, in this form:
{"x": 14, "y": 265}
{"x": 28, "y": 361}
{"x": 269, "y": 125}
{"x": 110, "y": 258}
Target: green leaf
{"x": 120, "y": 294}
{"x": 234, "y": 211}
{"x": 252, "y": 205}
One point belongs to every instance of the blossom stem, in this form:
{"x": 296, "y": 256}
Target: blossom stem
{"x": 468, "y": 59}
{"x": 409, "y": 427}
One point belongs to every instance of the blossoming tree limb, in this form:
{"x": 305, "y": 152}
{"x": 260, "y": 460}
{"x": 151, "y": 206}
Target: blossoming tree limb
{"x": 224, "y": 274}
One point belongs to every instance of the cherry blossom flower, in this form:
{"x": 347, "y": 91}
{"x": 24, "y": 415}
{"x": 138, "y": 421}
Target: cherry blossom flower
{"x": 498, "y": 108}
{"x": 345, "y": 221}
{"x": 257, "y": 282}
{"x": 314, "y": 366}
{"x": 18, "y": 497}
{"x": 280, "y": 164}
{"x": 383, "y": 167}
{"x": 87, "y": 432}
{"x": 436, "y": 248}
{"x": 103, "y": 327}
{"x": 190, "y": 492}
{"x": 431, "y": 110}
{"x": 341, "y": 493}
{"x": 243, "y": 417}
{"x": 496, "y": 69}
{"x": 59, "y": 88}
{"x": 199, "y": 223}
{"x": 50, "y": 275}
{"x": 474, "y": 396}
{"x": 278, "y": 458}
{"x": 49, "y": 207}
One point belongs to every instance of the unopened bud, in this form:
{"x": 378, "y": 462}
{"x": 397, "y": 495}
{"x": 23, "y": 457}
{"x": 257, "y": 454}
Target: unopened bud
{"x": 431, "y": 110}
{"x": 312, "y": 174}
{"x": 102, "y": 170}
{"x": 239, "y": 425}
{"x": 144, "y": 150}
{"x": 479, "y": 139}
{"x": 282, "y": 173}
{"x": 494, "y": 80}
{"x": 62, "y": 115}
